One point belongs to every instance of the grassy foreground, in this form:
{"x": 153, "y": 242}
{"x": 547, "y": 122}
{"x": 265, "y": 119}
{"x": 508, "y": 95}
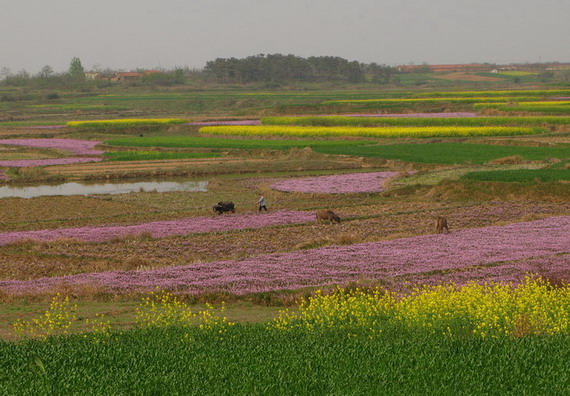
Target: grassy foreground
{"x": 476, "y": 339}
{"x": 249, "y": 359}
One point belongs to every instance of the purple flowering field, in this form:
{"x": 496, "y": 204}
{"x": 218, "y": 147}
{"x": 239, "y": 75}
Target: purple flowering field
{"x": 236, "y": 122}
{"x": 159, "y": 229}
{"x": 544, "y": 242}
{"x": 418, "y": 115}
{"x": 337, "y": 184}
{"x": 75, "y": 146}
{"x": 47, "y": 162}
{"x": 44, "y": 127}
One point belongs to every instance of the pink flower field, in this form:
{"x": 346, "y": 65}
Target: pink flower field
{"x": 159, "y": 229}
{"x": 492, "y": 251}
{"x": 337, "y": 184}
{"x": 236, "y": 122}
{"x": 47, "y": 162}
{"x": 417, "y": 115}
{"x": 75, "y": 146}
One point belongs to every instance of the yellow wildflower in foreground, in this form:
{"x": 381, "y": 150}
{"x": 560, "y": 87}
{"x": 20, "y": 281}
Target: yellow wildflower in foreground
{"x": 56, "y": 320}
{"x": 163, "y": 309}
{"x": 489, "y": 310}
{"x": 419, "y": 132}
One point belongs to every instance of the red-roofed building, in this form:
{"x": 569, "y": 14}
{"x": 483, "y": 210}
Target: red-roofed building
{"x": 126, "y": 76}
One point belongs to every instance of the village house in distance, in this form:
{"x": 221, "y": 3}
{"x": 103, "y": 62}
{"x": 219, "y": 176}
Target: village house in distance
{"x": 119, "y": 76}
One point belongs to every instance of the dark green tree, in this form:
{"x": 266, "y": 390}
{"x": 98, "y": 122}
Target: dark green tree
{"x": 76, "y": 70}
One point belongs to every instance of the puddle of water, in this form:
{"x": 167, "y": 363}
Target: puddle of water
{"x": 101, "y": 188}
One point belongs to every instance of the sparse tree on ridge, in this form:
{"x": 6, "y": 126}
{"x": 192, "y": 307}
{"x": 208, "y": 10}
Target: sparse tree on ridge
{"x": 46, "y": 72}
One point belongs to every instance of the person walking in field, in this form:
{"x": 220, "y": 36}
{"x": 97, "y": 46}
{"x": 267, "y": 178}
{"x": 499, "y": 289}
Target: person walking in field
{"x": 262, "y": 203}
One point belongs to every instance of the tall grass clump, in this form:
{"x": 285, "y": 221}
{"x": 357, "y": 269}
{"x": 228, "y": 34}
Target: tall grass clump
{"x": 388, "y": 132}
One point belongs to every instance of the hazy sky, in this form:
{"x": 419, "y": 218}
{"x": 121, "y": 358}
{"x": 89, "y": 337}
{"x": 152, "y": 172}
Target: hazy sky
{"x": 126, "y": 34}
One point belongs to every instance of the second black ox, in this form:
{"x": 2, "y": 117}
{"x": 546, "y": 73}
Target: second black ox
{"x": 224, "y": 206}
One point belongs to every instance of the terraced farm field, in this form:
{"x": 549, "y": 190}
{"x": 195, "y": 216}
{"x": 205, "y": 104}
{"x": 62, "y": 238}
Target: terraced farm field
{"x": 157, "y": 269}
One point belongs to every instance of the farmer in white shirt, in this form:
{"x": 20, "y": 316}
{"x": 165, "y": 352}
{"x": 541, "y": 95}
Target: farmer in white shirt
{"x": 262, "y": 203}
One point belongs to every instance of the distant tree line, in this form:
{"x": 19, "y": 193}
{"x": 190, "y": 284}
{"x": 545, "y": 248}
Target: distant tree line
{"x": 286, "y": 68}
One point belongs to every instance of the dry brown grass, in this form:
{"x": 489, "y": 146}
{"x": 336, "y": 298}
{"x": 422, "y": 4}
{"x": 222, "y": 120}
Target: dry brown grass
{"x": 487, "y": 191}
{"x": 511, "y": 160}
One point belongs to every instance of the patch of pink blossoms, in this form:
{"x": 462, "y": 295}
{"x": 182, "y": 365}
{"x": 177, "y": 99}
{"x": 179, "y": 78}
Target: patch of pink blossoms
{"x": 160, "y": 229}
{"x": 236, "y": 122}
{"x": 545, "y": 240}
{"x": 418, "y": 115}
{"x": 47, "y": 162}
{"x": 337, "y": 184}
{"x": 75, "y": 146}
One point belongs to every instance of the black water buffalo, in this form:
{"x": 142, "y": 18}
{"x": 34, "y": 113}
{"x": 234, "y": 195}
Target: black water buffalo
{"x": 224, "y": 206}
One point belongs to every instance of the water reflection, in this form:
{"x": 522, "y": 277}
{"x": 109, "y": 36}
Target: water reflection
{"x": 101, "y": 188}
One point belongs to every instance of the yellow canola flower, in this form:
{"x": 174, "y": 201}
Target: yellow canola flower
{"x": 489, "y": 310}
{"x": 58, "y": 319}
{"x": 163, "y": 309}
{"x": 317, "y": 131}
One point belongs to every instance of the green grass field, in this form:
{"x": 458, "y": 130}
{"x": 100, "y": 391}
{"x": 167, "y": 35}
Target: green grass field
{"x": 411, "y": 121}
{"x": 539, "y": 93}
{"x": 442, "y": 153}
{"x": 449, "y": 153}
{"x": 561, "y": 108}
{"x": 366, "y": 132}
{"x": 221, "y": 143}
{"x": 249, "y": 359}
{"x": 520, "y": 175}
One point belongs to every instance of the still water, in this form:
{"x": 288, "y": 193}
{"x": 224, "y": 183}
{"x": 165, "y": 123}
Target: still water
{"x": 101, "y": 188}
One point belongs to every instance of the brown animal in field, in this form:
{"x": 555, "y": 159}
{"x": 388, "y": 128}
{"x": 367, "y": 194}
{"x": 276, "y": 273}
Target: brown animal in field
{"x": 440, "y": 224}
{"x": 328, "y": 215}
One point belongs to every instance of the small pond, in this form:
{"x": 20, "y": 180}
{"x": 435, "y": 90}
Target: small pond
{"x": 101, "y": 188}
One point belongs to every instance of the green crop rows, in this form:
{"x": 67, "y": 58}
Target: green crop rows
{"x": 248, "y": 360}
{"x": 520, "y": 175}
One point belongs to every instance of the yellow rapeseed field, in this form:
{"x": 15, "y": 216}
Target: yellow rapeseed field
{"x": 488, "y": 310}
{"x": 326, "y": 131}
